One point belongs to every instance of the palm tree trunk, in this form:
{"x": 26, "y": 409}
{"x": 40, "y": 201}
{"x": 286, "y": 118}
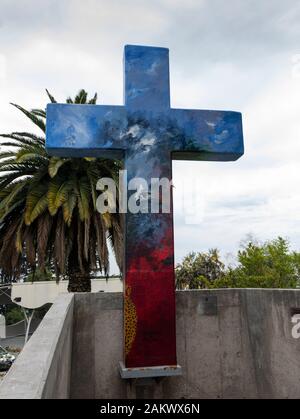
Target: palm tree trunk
{"x": 79, "y": 278}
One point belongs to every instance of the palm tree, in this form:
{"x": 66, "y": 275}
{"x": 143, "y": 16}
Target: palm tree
{"x": 48, "y": 215}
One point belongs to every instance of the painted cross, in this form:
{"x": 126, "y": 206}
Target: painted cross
{"x": 147, "y": 134}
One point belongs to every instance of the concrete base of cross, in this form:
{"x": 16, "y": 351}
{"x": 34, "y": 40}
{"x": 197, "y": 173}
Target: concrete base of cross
{"x": 150, "y": 372}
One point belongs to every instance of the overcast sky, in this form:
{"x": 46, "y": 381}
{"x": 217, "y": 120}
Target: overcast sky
{"x": 230, "y": 55}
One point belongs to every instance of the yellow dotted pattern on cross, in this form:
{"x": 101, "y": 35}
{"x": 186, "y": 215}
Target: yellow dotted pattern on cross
{"x": 130, "y": 320}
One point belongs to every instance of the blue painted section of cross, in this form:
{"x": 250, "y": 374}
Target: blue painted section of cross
{"x": 101, "y": 130}
{"x": 147, "y": 134}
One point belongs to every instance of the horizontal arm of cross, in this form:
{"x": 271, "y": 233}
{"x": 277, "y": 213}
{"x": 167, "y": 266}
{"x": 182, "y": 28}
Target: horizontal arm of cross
{"x": 207, "y": 135}
{"x": 107, "y": 131}
{"x": 86, "y": 130}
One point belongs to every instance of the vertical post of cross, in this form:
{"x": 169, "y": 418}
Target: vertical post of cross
{"x": 146, "y": 84}
{"x": 150, "y": 339}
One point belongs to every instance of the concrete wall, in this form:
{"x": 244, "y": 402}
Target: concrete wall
{"x": 231, "y": 344}
{"x": 43, "y": 369}
{"x": 98, "y": 333}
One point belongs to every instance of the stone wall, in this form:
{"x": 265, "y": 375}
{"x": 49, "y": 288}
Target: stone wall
{"x": 230, "y": 343}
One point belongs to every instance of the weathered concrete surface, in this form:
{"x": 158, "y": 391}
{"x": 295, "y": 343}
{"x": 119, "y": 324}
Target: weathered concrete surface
{"x": 43, "y": 369}
{"x": 230, "y": 343}
{"x": 98, "y": 334}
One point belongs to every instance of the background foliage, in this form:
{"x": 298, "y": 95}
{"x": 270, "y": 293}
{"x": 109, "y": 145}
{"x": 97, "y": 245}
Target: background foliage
{"x": 259, "y": 265}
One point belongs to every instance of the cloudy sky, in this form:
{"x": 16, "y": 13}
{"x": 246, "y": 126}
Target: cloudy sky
{"x": 229, "y": 55}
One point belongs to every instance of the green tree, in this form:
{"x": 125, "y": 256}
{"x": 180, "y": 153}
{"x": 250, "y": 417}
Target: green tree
{"x": 48, "y": 213}
{"x": 268, "y": 265}
{"x": 199, "y": 270}
{"x": 39, "y": 275}
{"x": 14, "y": 315}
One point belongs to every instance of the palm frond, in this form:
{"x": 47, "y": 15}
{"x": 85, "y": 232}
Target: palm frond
{"x": 93, "y": 101}
{"x": 52, "y": 100}
{"x": 8, "y": 162}
{"x": 8, "y": 178}
{"x": 34, "y": 137}
{"x": 55, "y": 164}
{"x": 19, "y": 238}
{"x": 36, "y": 203}
{"x": 68, "y": 208}
{"x": 81, "y": 97}
{"x": 58, "y": 194}
{"x": 87, "y": 224}
{"x": 39, "y": 112}
{"x": 7, "y": 154}
{"x": 59, "y": 244}
{"x": 36, "y": 120}
{"x": 7, "y": 263}
{"x": 30, "y": 245}
{"x": 33, "y": 154}
{"x": 79, "y": 243}
{"x": 101, "y": 242}
{"x": 84, "y": 191}
{"x": 43, "y": 232}
{"x": 9, "y": 194}
{"x": 17, "y": 205}
{"x": 20, "y": 140}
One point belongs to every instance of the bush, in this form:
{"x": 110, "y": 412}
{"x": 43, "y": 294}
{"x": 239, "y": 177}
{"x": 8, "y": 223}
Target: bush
{"x": 198, "y": 270}
{"x": 14, "y": 315}
{"x": 268, "y": 265}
